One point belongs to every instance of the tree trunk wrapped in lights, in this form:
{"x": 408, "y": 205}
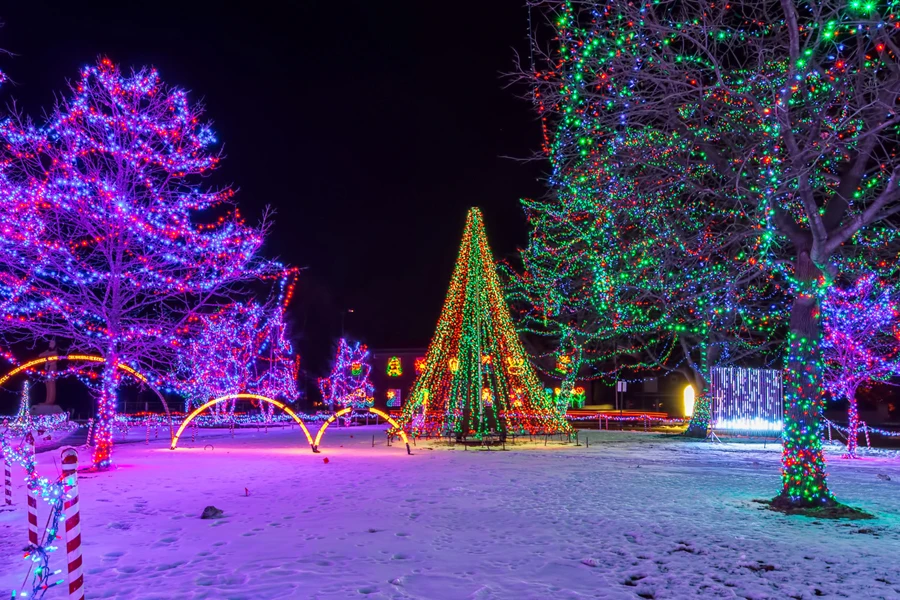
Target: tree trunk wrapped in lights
{"x": 348, "y": 385}
{"x": 477, "y": 379}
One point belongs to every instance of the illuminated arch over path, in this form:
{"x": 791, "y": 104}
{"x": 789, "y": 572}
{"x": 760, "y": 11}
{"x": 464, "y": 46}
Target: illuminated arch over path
{"x": 344, "y": 411}
{"x": 91, "y": 358}
{"x": 259, "y": 397}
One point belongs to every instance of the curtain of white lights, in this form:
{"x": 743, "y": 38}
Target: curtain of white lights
{"x": 746, "y": 399}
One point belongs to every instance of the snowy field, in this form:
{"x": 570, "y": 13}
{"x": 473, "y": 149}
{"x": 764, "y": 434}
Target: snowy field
{"x": 633, "y": 516}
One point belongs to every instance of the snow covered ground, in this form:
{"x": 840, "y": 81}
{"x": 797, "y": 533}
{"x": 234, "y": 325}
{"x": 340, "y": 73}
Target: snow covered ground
{"x": 633, "y": 516}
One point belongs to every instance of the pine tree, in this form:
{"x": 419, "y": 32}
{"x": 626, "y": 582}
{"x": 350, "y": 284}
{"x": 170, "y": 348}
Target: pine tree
{"x": 477, "y": 378}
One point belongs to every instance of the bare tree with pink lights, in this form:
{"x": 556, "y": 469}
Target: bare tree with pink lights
{"x": 119, "y": 241}
{"x": 348, "y": 385}
{"x": 861, "y": 344}
{"x": 242, "y": 347}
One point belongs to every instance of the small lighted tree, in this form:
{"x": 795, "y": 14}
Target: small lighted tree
{"x": 243, "y": 347}
{"x": 348, "y": 385}
{"x": 116, "y": 240}
{"x": 860, "y": 345}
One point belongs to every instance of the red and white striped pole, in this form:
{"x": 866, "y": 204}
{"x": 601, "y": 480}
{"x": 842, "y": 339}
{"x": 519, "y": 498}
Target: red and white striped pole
{"x": 32, "y": 499}
{"x": 75, "y": 569}
{"x": 7, "y": 482}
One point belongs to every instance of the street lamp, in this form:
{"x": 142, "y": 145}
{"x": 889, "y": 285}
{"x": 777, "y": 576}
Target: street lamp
{"x": 344, "y": 314}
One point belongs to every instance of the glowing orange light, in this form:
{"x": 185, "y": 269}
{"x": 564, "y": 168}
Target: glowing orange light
{"x": 328, "y": 422}
{"x": 259, "y": 397}
{"x": 689, "y": 401}
{"x": 71, "y": 357}
{"x": 393, "y": 423}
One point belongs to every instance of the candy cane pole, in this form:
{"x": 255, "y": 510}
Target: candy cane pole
{"x": 75, "y": 570}
{"x": 7, "y": 482}
{"x": 32, "y": 499}
{"x": 90, "y": 431}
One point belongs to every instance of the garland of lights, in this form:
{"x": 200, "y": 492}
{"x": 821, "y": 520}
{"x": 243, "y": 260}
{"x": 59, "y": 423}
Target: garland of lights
{"x": 866, "y": 427}
{"x": 477, "y": 379}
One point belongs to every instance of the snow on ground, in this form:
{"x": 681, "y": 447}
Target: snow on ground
{"x": 633, "y": 516}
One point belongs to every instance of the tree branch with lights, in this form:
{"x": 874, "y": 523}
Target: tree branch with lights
{"x": 860, "y": 342}
{"x": 783, "y": 115}
{"x": 118, "y": 242}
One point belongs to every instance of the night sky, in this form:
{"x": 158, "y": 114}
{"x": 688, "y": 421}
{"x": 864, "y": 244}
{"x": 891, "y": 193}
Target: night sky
{"x": 369, "y": 126}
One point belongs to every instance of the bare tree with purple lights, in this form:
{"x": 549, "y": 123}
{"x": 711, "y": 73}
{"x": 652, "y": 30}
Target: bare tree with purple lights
{"x": 861, "y": 345}
{"x": 120, "y": 242}
{"x": 348, "y": 384}
{"x": 242, "y": 347}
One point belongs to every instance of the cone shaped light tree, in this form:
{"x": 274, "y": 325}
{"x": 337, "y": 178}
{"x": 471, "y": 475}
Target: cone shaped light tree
{"x": 477, "y": 378}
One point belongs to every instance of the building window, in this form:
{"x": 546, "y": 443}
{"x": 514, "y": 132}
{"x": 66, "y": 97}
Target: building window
{"x": 393, "y": 399}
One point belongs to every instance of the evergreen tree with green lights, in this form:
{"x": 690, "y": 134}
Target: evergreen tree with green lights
{"x": 780, "y": 115}
{"x": 477, "y": 379}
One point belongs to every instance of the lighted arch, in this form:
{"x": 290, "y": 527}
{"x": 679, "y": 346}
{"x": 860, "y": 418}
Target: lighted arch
{"x": 92, "y": 358}
{"x": 259, "y": 397}
{"x": 374, "y": 411}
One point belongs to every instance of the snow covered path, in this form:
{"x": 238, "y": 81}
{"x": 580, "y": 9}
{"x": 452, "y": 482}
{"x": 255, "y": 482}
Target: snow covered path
{"x": 633, "y": 516}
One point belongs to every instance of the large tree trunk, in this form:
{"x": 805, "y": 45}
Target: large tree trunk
{"x": 803, "y": 463}
{"x": 852, "y": 426}
{"x": 567, "y": 385}
{"x": 106, "y": 413}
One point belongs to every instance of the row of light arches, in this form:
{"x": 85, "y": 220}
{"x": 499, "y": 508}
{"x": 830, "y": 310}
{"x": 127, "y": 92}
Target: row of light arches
{"x": 313, "y": 442}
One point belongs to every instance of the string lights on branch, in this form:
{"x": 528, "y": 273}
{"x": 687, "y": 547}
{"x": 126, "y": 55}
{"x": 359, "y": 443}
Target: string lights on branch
{"x": 112, "y": 238}
{"x": 745, "y": 158}
{"x": 348, "y": 384}
{"x": 861, "y": 343}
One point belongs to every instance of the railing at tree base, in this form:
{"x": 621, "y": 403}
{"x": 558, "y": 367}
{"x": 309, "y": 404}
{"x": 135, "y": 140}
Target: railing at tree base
{"x": 863, "y": 426}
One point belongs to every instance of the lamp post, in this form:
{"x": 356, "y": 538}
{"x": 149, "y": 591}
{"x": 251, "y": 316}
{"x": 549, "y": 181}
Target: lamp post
{"x": 344, "y": 314}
